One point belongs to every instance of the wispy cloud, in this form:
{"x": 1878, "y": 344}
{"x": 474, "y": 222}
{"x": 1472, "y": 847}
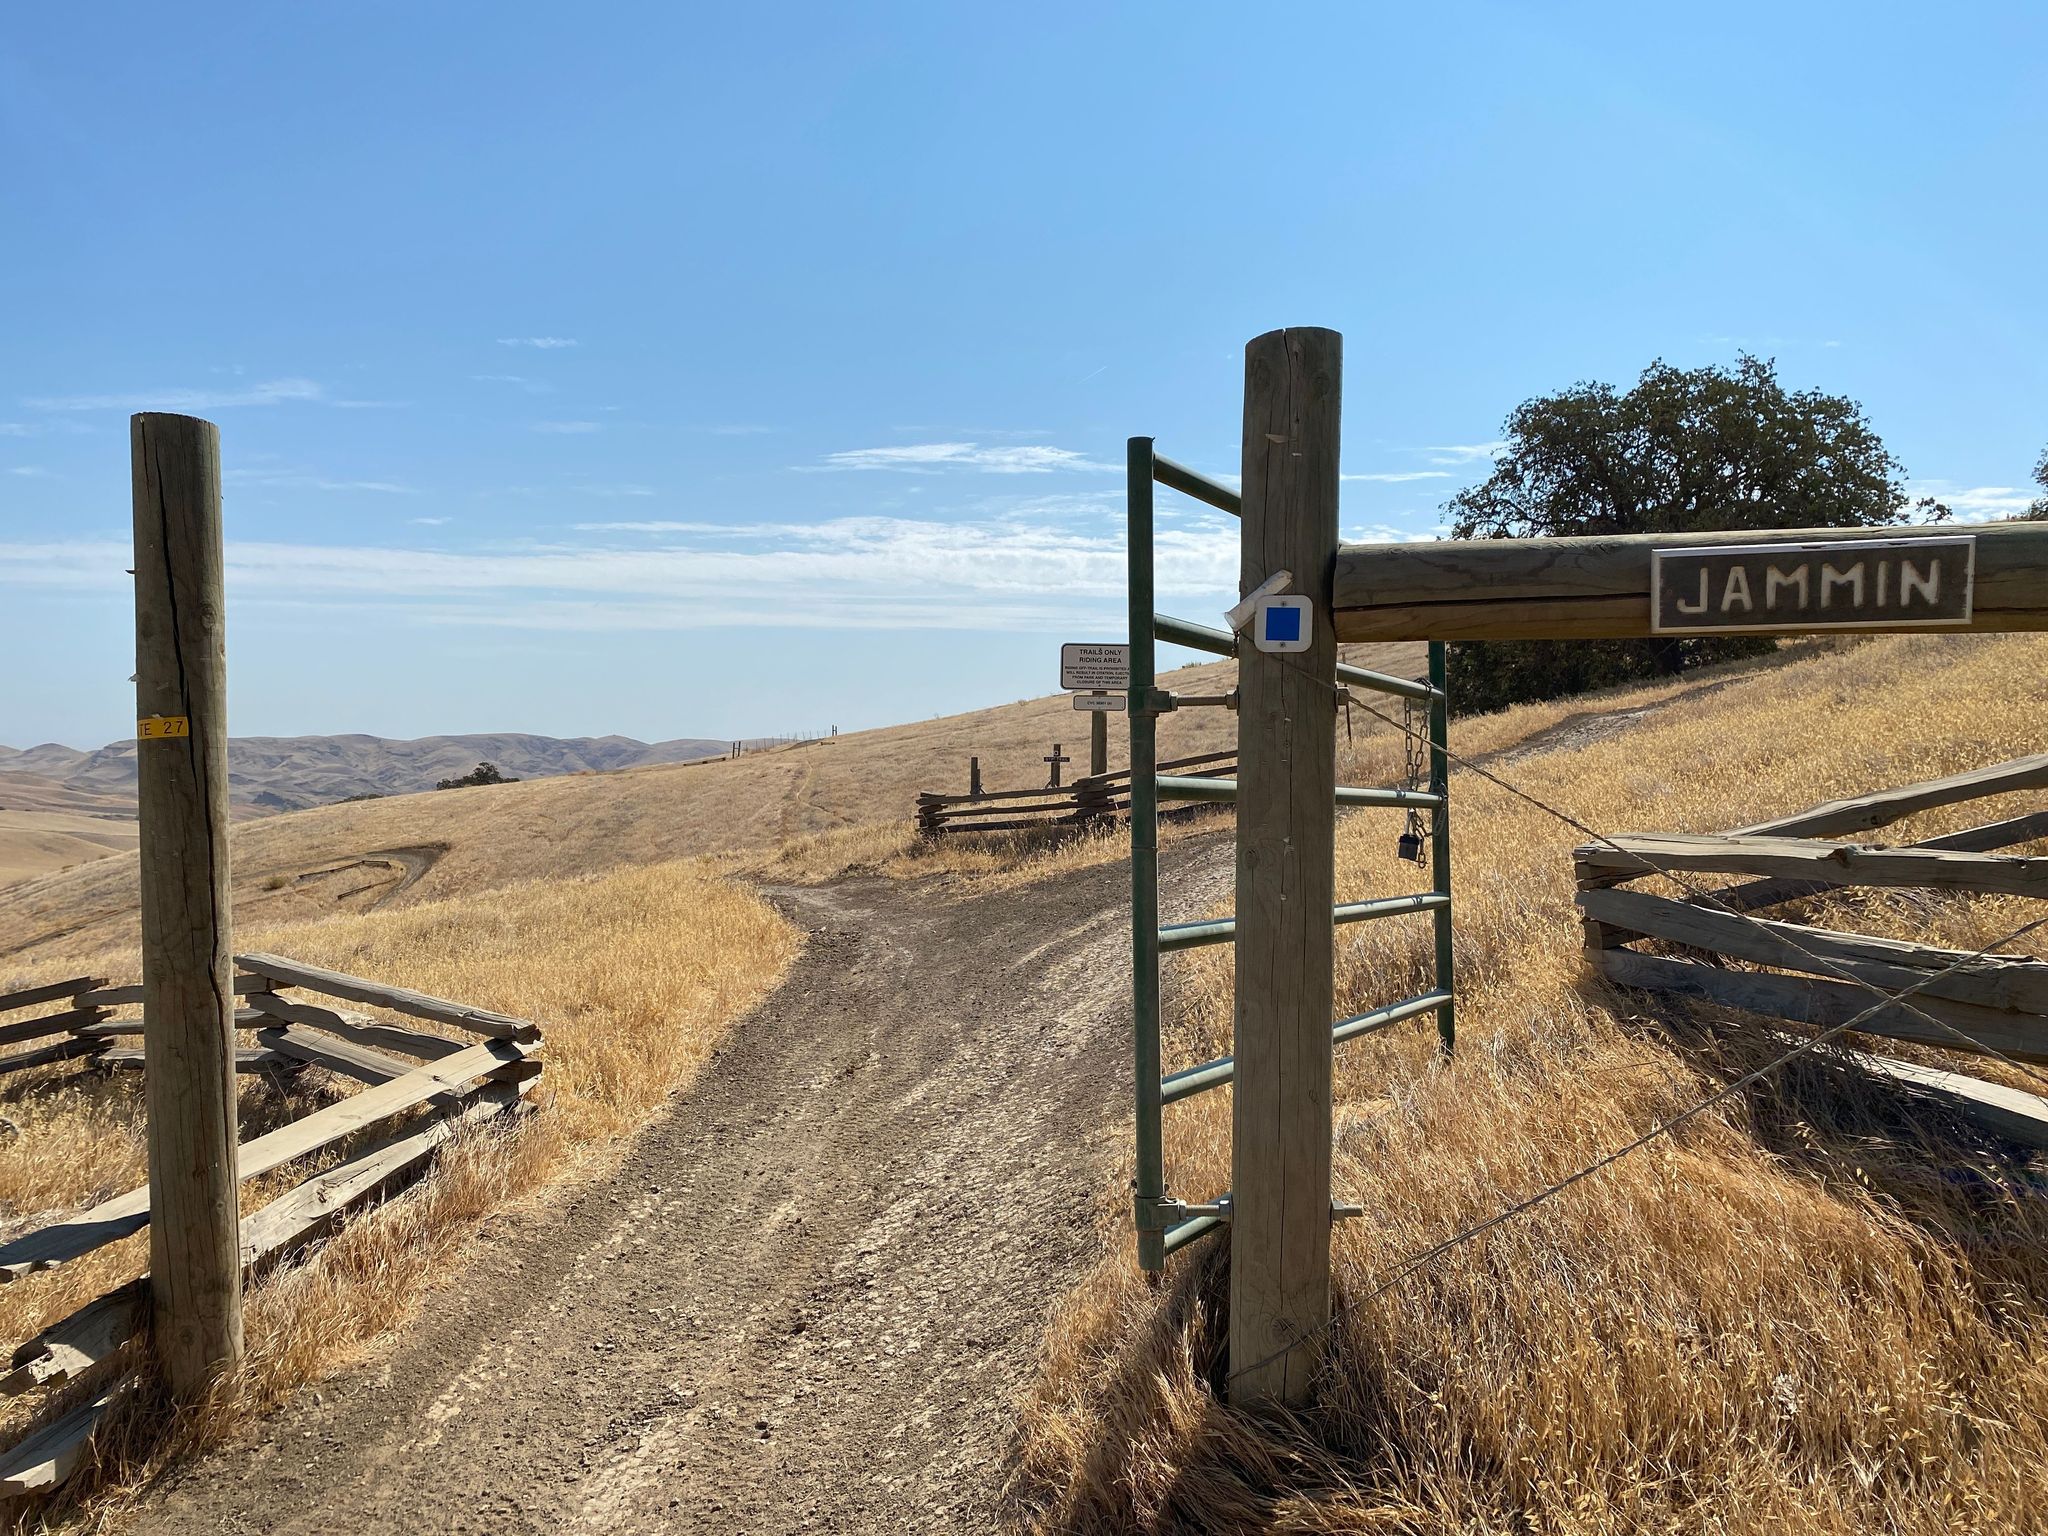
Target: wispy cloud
{"x": 1465, "y": 453}
{"x": 518, "y": 381}
{"x": 614, "y": 490}
{"x": 543, "y": 343}
{"x": 869, "y": 572}
{"x": 271, "y": 392}
{"x": 30, "y": 472}
{"x": 292, "y": 480}
{"x": 930, "y": 458}
{"x": 1400, "y": 476}
{"x": 38, "y": 428}
{"x": 664, "y": 525}
{"x": 1975, "y": 503}
{"x": 1387, "y": 533}
{"x": 569, "y": 428}
{"x": 429, "y": 522}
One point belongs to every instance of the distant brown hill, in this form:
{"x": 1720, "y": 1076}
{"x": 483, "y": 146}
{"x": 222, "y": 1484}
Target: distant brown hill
{"x": 290, "y": 773}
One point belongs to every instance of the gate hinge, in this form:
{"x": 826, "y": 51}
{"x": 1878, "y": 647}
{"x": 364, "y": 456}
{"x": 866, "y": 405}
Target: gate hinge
{"x": 1177, "y": 1211}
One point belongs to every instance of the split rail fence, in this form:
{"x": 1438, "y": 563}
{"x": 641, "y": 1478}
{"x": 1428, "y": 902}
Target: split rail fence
{"x": 1090, "y": 800}
{"x": 2001, "y": 1001}
{"x": 421, "y": 1087}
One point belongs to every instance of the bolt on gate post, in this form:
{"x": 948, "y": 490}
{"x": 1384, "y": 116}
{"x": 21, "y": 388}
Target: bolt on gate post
{"x": 187, "y": 976}
{"x": 1286, "y": 877}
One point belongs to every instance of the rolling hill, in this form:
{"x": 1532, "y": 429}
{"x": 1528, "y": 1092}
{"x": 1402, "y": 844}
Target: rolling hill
{"x": 413, "y": 848}
{"x": 61, "y": 806}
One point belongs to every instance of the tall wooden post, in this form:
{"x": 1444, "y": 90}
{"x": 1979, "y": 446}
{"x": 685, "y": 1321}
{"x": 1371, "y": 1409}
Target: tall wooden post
{"x": 187, "y": 975}
{"x": 1286, "y": 834}
{"x": 1098, "y": 742}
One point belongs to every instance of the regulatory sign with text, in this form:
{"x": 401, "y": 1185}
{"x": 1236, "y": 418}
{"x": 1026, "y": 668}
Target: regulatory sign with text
{"x": 1796, "y": 587}
{"x": 1099, "y": 701}
{"x": 1095, "y": 667}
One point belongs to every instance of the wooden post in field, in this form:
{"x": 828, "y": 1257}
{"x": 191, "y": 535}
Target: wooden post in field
{"x": 1286, "y": 834}
{"x": 1098, "y": 742}
{"x": 187, "y": 976}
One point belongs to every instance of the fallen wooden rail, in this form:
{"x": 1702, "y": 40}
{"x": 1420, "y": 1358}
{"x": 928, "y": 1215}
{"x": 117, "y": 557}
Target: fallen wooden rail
{"x": 423, "y": 1088}
{"x": 1961, "y": 1002}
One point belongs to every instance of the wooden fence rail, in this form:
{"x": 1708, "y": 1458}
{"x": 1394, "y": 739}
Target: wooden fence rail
{"x": 1090, "y": 800}
{"x": 1993, "y": 1003}
{"x": 423, "y": 1088}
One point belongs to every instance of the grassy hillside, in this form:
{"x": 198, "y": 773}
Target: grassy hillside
{"x": 446, "y": 843}
{"x": 1815, "y": 1309}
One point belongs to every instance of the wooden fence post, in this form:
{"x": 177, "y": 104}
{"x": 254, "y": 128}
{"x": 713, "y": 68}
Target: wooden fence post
{"x": 1098, "y": 742}
{"x": 1286, "y": 834}
{"x": 187, "y": 976}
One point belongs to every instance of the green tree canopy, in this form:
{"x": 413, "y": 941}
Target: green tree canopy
{"x": 482, "y": 773}
{"x": 1683, "y": 451}
{"x": 2038, "y": 512}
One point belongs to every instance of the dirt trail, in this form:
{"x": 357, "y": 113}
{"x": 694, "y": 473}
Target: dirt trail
{"x": 809, "y": 1295}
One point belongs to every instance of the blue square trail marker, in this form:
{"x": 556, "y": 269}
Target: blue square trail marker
{"x": 1283, "y": 624}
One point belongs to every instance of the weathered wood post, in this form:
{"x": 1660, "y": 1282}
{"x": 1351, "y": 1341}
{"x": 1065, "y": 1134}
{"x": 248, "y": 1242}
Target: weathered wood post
{"x": 1056, "y": 757}
{"x": 1286, "y": 835}
{"x": 187, "y": 975}
{"x": 974, "y": 777}
{"x": 1098, "y": 742}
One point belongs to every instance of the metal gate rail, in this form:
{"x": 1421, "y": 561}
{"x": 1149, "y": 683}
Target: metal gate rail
{"x": 1165, "y": 1224}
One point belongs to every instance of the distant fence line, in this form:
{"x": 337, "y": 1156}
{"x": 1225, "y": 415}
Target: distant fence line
{"x": 1096, "y": 797}
{"x": 768, "y": 743}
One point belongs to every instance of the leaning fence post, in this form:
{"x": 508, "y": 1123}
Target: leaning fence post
{"x": 1286, "y": 878}
{"x": 187, "y": 976}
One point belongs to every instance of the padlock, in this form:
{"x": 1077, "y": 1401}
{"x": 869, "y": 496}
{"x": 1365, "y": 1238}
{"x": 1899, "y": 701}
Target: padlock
{"x": 1409, "y": 848}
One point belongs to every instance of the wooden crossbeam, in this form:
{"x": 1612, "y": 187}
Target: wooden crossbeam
{"x": 111, "y": 1220}
{"x": 356, "y": 1028}
{"x": 2018, "y": 983}
{"x": 1832, "y": 863}
{"x": 1827, "y": 1003}
{"x": 49, "y": 992}
{"x": 1599, "y": 588}
{"x": 419, "y": 1005}
{"x": 1860, "y": 813}
{"x": 1992, "y": 835}
{"x": 72, "y": 1019}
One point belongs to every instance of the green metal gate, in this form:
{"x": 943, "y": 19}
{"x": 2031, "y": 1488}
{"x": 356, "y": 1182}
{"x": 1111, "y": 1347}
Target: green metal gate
{"x": 1165, "y": 1223}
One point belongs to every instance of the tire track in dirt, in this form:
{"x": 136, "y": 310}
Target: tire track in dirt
{"x": 807, "y": 1298}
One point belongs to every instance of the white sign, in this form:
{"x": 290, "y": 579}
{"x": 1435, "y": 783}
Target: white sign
{"x": 1095, "y": 667}
{"x": 1109, "y": 701}
{"x": 1284, "y": 624}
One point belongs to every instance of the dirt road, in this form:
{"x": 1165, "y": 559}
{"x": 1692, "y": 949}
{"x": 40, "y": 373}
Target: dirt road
{"x": 806, "y": 1299}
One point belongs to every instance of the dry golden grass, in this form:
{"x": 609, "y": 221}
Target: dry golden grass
{"x": 1811, "y": 1310}
{"x": 634, "y": 975}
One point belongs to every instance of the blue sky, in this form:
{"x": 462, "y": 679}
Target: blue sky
{"x": 690, "y": 370}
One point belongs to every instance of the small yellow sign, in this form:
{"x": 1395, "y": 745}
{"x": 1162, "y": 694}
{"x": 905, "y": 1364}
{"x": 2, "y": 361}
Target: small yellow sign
{"x": 157, "y": 727}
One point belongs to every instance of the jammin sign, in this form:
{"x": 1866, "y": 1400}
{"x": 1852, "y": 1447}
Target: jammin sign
{"x": 1848, "y": 584}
